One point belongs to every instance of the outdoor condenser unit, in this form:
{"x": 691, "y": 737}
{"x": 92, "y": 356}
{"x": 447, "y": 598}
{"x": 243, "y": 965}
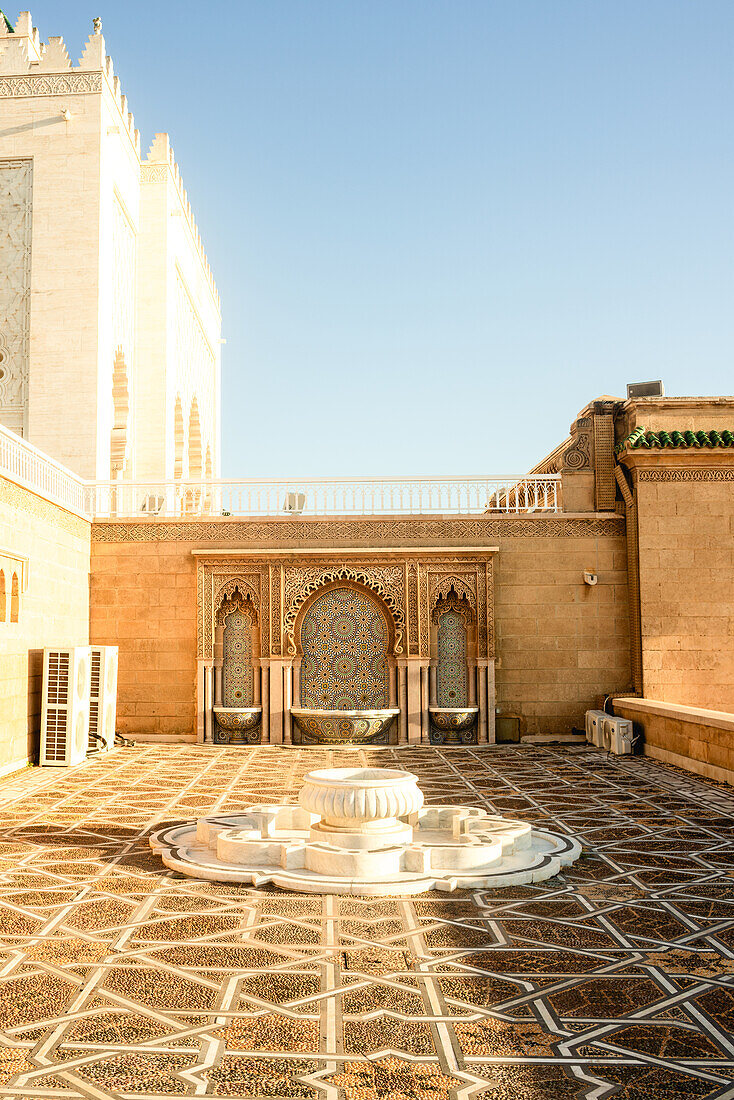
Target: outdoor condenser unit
{"x": 103, "y": 698}
{"x": 65, "y": 706}
{"x": 594, "y": 719}
{"x": 619, "y": 735}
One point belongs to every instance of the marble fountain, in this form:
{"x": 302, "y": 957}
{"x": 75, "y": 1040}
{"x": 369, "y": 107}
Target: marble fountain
{"x": 364, "y": 831}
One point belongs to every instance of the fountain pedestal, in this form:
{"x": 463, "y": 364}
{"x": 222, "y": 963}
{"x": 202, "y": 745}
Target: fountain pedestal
{"x": 364, "y": 831}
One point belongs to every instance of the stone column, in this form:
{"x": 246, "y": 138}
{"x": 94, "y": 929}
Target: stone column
{"x": 402, "y": 701}
{"x": 392, "y": 683}
{"x": 482, "y": 733}
{"x": 433, "y": 686}
{"x": 472, "y": 683}
{"x": 256, "y": 677}
{"x": 208, "y": 702}
{"x": 287, "y": 701}
{"x": 200, "y": 700}
{"x": 425, "y": 715}
{"x": 276, "y": 701}
{"x": 296, "y": 699}
{"x": 491, "y": 702}
{"x": 265, "y": 701}
{"x": 414, "y": 702}
{"x": 218, "y": 681}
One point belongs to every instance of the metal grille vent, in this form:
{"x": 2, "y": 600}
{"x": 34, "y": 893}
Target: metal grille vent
{"x": 94, "y": 699}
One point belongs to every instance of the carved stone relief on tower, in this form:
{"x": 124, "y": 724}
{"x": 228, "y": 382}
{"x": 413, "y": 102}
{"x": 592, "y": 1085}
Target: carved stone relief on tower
{"x": 16, "y": 206}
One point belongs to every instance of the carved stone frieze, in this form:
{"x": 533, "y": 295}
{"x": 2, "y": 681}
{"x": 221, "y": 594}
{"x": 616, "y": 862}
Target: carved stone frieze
{"x": 153, "y": 173}
{"x": 685, "y": 475}
{"x": 419, "y": 531}
{"x": 12, "y": 87}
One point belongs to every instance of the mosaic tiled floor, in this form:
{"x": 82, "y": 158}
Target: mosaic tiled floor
{"x": 613, "y": 979}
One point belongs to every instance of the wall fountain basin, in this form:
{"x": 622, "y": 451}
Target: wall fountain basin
{"x": 334, "y": 727}
{"x": 452, "y": 725}
{"x": 239, "y": 723}
{"x": 364, "y": 831}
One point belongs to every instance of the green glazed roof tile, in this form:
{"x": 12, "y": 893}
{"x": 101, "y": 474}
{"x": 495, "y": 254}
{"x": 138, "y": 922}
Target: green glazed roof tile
{"x": 640, "y": 437}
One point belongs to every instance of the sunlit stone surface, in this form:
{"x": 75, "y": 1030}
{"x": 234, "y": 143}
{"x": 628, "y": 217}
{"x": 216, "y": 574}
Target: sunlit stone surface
{"x": 364, "y": 831}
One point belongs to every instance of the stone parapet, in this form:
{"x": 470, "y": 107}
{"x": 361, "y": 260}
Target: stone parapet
{"x": 695, "y": 738}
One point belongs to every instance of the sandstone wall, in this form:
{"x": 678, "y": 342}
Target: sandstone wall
{"x": 560, "y": 643}
{"x": 53, "y": 610}
{"x": 686, "y": 529}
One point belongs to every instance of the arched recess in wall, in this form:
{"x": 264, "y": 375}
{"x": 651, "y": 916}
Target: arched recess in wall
{"x": 237, "y": 645}
{"x": 14, "y": 599}
{"x": 344, "y": 636}
{"x": 120, "y": 415}
{"x": 195, "y": 456}
{"x": 178, "y": 439}
{"x": 3, "y": 597}
{"x": 452, "y": 621}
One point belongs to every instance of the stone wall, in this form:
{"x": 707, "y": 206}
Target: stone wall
{"x": 686, "y": 554}
{"x": 48, "y": 549}
{"x": 560, "y": 643}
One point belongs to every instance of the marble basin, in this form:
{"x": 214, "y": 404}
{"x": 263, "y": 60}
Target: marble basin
{"x": 334, "y": 727}
{"x": 364, "y": 803}
{"x": 239, "y": 724}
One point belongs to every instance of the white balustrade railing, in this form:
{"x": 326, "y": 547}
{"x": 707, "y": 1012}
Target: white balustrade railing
{"x": 24, "y": 464}
{"x": 325, "y": 497}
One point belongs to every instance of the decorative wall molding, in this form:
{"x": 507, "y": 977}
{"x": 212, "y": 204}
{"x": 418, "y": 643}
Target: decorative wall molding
{"x": 685, "y": 475}
{"x": 357, "y": 531}
{"x": 14, "y": 87}
{"x": 153, "y": 173}
{"x": 409, "y": 586}
{"x": 54, "y": 515}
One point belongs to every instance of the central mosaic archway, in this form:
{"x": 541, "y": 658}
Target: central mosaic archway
{"x": 344, "y": 639}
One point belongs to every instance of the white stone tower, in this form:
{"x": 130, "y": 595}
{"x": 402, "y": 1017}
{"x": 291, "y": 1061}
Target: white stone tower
{"x": 109, "y": 316}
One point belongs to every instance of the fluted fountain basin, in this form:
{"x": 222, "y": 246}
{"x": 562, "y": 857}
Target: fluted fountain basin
{"x": 364, "y": 831}
{"x": 335, "y": 727}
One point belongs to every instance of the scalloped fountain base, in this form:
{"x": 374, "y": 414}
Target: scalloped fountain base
{"x": 364, "y": 831}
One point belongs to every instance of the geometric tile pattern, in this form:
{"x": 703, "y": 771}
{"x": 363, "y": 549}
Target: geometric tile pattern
{"x": 344, "y": 637}
{"x": 121, "y": 980}
{"x": 237, "y": 674}
{"x": 452, "y": 680}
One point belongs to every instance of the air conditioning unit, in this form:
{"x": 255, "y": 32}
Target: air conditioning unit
{"x": 594, "y": 720}
{"x": 619, "y": 735}
{"x": 103, "y": 698}
{"x": 294, "y": 502}
{"x": 153, "y": 503}
{"x": 65, "y": 706}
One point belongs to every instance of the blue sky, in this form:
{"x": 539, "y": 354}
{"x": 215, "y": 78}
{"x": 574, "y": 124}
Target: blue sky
{"x": 440, "y": 227}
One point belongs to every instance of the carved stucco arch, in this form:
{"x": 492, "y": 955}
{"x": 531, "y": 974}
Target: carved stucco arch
{"x": 443, "y": 586}
{"x": 330, "y": 578}
{"x": 226, "y": 590}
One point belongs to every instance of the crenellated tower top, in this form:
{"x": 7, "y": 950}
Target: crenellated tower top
{"x": 30, "y": 67}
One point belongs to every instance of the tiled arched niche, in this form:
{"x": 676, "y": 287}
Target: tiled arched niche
{"x": 271, "y": 594}
{"x": 343, "y": 637}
